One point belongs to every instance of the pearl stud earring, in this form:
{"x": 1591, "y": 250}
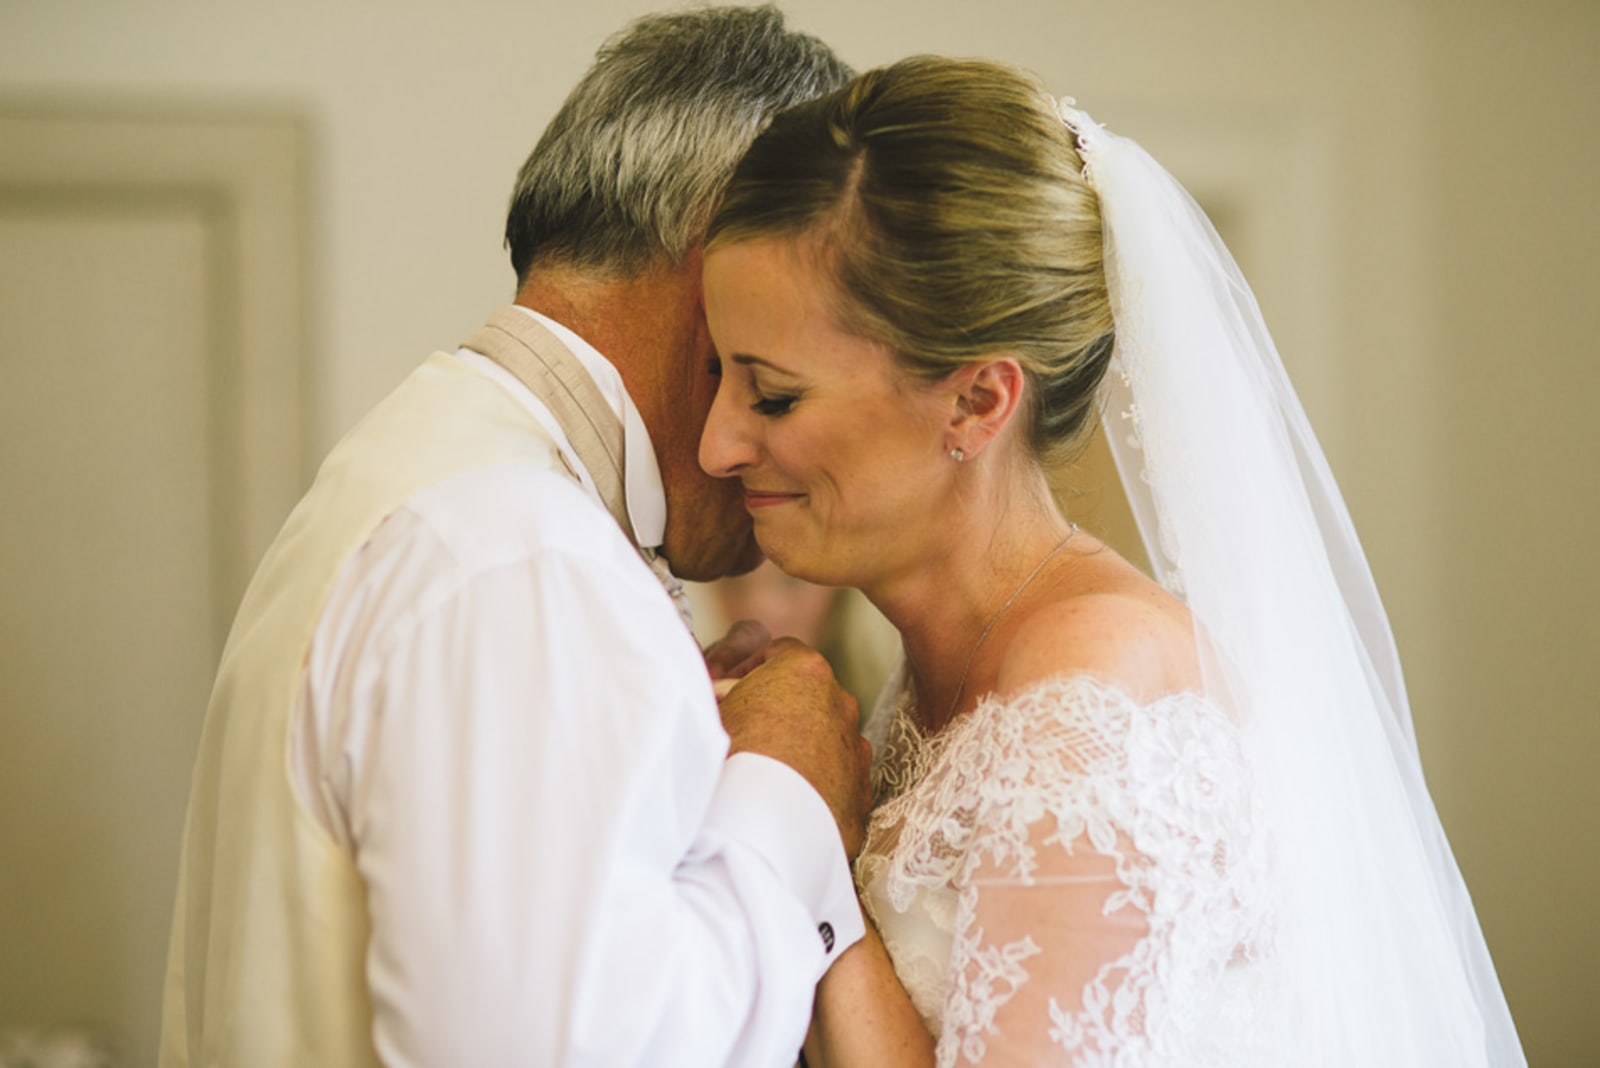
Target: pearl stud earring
{"x": 957, "y": 455}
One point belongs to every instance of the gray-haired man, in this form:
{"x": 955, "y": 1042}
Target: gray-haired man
{"x": 463, "y": 795}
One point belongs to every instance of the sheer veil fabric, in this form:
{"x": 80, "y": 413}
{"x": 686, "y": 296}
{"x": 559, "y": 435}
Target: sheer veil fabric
{"x": 1379, "y": 955}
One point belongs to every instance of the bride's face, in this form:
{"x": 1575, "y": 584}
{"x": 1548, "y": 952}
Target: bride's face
{"x": 840, "y": 451}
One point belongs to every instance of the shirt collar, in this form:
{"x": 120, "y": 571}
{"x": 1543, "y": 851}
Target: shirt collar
{"x": 647, "y": 498}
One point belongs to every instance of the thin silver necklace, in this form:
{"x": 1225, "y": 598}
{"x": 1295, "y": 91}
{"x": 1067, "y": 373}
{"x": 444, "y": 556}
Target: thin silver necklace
{"x": 989, "y": 626}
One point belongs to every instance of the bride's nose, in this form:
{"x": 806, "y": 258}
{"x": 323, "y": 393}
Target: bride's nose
{"x": 726, "y": 445}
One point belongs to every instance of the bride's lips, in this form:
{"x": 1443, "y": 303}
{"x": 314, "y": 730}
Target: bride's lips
{"x": 754, "y": 498}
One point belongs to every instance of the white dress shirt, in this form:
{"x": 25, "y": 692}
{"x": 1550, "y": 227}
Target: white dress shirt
{"x": 508, "y": 726}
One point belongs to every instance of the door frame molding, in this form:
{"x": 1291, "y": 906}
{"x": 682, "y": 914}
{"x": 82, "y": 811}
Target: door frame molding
{"x": 245, "y": 174}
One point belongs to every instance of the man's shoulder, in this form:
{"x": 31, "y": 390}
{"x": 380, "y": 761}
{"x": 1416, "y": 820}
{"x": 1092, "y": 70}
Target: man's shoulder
{"x": 500, "y": 513}
{"x": 505, "y": 527}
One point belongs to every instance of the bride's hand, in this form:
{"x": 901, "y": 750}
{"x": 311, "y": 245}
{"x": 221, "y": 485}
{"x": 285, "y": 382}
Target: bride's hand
{"x": 737, "y": 653}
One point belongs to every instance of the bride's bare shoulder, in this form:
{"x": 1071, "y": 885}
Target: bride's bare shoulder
{"x": 1122, "y": 629}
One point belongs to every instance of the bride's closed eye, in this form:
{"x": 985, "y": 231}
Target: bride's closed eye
{"x": 773, "y": 406}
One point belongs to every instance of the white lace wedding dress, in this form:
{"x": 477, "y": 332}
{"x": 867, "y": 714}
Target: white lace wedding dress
{"x": 1071, "y": 877}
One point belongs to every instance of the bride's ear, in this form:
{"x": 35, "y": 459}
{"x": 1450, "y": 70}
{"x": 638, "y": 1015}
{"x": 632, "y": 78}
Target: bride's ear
{"x": 987, "y": 394}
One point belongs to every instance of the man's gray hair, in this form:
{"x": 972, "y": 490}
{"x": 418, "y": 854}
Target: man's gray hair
{"x": 629, "y": 170}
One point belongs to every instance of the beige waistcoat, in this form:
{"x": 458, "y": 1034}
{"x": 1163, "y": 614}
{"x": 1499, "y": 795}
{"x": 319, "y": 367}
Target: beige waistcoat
{"x": 267, "y": 961}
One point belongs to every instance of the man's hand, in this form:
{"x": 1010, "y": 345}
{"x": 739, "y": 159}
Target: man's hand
{"x": 790, "y": 708}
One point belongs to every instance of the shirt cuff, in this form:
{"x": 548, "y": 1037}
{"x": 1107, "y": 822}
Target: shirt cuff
{"x": 770, "y": 808}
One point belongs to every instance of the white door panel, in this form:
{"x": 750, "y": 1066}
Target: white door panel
{"x": 132, "y": 504}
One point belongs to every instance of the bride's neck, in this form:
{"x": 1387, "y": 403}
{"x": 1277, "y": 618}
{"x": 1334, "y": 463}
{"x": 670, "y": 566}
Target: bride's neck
{"x": 945, "y": 599}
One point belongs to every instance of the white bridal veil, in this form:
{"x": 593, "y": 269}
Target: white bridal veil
{"x": 1382, "y": 961}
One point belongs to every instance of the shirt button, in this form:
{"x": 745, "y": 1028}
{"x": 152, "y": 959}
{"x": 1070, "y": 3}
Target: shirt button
{"x": 825, "y": 929}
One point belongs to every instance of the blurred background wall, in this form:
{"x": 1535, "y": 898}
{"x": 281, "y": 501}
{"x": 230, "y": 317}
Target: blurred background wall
{"x": 1410, "y": 184}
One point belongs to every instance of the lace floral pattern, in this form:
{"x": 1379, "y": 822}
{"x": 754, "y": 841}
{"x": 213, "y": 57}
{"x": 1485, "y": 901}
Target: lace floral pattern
{"x": 1161, "y": 791}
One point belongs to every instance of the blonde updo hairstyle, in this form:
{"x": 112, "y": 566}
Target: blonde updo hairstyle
{"x": 948, "y": 202}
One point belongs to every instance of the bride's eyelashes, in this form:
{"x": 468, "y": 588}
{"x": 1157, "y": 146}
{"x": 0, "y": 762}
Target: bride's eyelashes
{"x": 773, "y": 406}
{"x": 770, "y": 403}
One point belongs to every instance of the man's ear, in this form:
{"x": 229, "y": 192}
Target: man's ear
{"x": 987, "y": 394}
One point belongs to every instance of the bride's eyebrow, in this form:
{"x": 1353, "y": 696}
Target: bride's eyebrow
{"x": 745, "y": 359}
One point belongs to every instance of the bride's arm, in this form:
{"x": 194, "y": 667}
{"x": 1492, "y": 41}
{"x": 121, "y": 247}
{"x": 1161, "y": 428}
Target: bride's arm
{"x": 863, "y": 1016}
{"x": 1040, "y": 971}
{"x": 1044, "y": 940}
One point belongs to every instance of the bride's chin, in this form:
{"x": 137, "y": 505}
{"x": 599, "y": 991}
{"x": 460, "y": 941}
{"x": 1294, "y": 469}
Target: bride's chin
{"x": 791, "y": 562}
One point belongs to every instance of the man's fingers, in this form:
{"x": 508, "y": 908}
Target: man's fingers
{"x": 776, "y": 659}
{"x": 850, "y": 712}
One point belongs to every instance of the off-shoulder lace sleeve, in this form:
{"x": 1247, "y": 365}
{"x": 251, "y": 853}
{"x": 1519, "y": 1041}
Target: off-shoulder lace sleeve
{"x": 1106, "y": 872}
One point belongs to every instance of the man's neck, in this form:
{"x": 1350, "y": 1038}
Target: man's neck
{"x": 633, "y": 322}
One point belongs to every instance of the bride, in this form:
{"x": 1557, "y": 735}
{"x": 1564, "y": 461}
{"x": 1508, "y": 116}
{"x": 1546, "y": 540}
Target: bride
{"x": 1119, "y": 821}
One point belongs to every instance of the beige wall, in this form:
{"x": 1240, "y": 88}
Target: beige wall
{"x": 1510, "y": 718}
{"x": 1412, "y": 181}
